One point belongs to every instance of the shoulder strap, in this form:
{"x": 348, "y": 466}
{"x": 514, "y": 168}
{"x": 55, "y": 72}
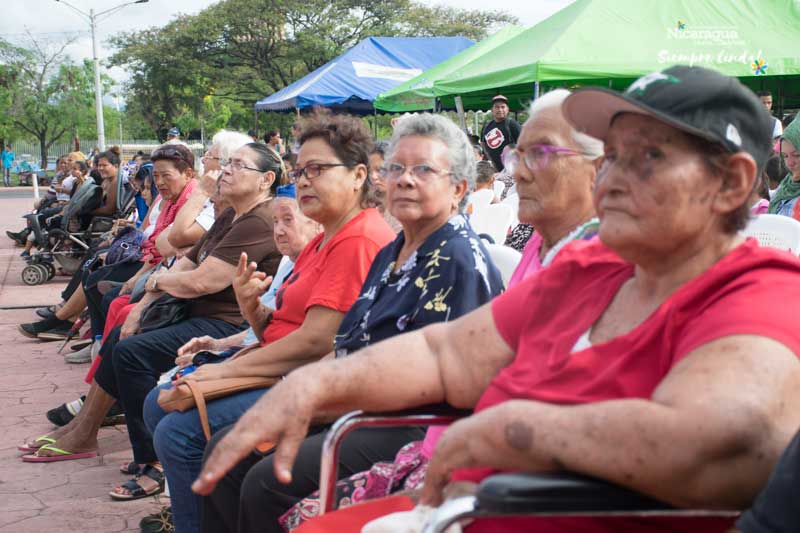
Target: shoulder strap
{"x": 200, "y": 402}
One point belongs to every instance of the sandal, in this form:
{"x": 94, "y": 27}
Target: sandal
{"x": 160, "y": 522}
{"x": 136, "y": 491}
{"x": 60, "y": 455}
{"x": 131, "y": 469}
{"x": 29, "y": 448}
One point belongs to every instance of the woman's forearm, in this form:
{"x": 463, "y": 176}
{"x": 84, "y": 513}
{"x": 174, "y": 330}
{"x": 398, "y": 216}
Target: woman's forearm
{"x": 369, "y": 378}
{"x": 686, "y": 459}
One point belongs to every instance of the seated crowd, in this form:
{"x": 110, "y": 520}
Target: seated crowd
{"x": 633, "y": 342}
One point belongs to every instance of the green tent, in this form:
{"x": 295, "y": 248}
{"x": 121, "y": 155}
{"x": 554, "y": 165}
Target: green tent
{"x": 613, "y": 42}
{"x": 417, "y": 94}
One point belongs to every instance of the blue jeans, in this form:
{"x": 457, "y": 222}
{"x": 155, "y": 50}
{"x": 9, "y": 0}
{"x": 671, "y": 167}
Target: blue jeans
{"x": 179, "y": 443}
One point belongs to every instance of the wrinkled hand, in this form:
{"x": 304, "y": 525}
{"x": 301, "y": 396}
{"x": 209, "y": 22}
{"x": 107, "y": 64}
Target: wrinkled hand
{"x": 249, "y": 285}
{"x": 127, "y": 287}
{"x": 495, "y": 438}
{"x": 209, "y": 182}
{"x": 199, "y": 344}
{"x": 208, "y": 372}
{"x": 131, "y": 325}
{"x": 282, "y": 416}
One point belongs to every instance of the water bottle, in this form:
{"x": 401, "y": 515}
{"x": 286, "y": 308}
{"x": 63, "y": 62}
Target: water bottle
{"x": 98, "y": 341}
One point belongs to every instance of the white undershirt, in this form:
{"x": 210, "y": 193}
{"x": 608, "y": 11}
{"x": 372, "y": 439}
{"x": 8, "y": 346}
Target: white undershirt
{"x": 583, "y": 341}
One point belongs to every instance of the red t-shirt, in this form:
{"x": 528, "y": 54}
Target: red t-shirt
{"x": 330, "y": 277}
{"x": 751, "y": 290}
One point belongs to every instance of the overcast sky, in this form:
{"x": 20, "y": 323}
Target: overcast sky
{"x": 51, "y": 20}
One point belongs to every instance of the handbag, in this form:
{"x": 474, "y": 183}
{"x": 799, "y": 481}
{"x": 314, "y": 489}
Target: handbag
{"x": 194, "y": 394}
{"x": 126, "y": 247}
{"x": 165, "y": 311}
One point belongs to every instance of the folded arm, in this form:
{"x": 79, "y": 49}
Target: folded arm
{"x": 210, "y": 276}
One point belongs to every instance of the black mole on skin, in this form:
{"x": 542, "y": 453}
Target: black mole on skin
{"x": 519, "y": 436}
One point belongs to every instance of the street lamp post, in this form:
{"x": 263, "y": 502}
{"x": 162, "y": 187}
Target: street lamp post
{"x": 93, "y": 18}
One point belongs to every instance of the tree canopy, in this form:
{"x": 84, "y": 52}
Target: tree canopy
{"x": 207, "y": 70}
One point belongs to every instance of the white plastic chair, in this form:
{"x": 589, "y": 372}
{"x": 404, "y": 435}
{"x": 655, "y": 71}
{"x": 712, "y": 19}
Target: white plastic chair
{"x": 480, "y": 199}
{"x": 512, "y": 200}
{"x": 498, "y": 187}
{"x": 776, "y": 231}
{"x": 493, "y": 220}
{"x": 504, "y": 258}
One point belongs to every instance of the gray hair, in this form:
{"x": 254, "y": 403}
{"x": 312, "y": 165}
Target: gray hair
{"x": 591, "y": 147}
{"x": 461, "y": 155}
{"x": 229, "y": 141}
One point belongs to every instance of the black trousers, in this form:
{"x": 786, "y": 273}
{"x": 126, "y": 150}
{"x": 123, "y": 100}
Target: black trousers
{"x": 130, "y": 368}
{"x": 251, "y": 499}
{"x": 94, "y": 300}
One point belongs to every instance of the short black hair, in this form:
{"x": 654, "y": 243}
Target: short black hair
{"x": 485, "y": 172}
{"x": 178, "y": 154}
{"x": 763, "y": 93}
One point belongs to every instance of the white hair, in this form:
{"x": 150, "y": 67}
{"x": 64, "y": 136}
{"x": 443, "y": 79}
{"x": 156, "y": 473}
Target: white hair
{"x": 229, "y": 141}
{"x": 591, "y": 147}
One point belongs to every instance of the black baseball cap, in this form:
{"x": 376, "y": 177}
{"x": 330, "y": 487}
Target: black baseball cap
{"x": 696, "y": 100}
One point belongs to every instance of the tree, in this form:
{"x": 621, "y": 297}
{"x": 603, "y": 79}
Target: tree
{"x": 11, "y": 60}
{"x": 238, "y": 51}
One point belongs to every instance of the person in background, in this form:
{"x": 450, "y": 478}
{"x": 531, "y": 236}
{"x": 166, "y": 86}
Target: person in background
{"x": 273, "y": 139}
{"x": 8, "y": 158}
{"x": 289, "y": 159}
{"x": 784, "y": 202}
{"x": 485, "y": 178}
{"x": 775, "y": 171}
{"x": 766, "y": 101}
{"x": 253, "y": 134}
{"x": 478, "y": 150}
{"x": 173, "y": 136}
{"x": 499, "y": 132}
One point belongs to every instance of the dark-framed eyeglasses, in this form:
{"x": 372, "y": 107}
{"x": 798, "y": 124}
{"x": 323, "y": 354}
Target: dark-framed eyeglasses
{"x": 311, "y": 171}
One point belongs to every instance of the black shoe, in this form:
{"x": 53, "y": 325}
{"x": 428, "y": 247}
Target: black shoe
{"x": 33, "y": 329}
{"x": 58, "y": 332}
{"x": 47, "y": 312}
{"x": 61, "y": 415}
{"x": 17, "y": 237}
{"x": 160, "y": 522}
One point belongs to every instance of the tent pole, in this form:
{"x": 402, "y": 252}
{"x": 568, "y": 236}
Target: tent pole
{"x": 461, "y": 118}
{"x": 375, "y": 123}
{"x": 535, "y": 90}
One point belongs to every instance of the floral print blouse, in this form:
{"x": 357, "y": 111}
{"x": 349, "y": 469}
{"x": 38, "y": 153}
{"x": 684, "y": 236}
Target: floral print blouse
{"x": 449, "y": 275}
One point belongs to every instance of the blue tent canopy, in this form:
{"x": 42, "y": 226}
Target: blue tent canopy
{"x": 351, "y": 81}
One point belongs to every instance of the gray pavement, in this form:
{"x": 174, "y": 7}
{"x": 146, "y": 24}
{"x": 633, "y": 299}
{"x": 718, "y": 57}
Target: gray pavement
{"x": 70, "y": 496}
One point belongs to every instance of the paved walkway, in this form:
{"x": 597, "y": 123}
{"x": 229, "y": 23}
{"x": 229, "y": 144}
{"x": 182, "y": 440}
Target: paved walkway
{"x": 70, "y": 496}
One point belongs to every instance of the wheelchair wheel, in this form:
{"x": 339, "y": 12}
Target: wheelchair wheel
{"x": 44, "y": 271}
{"x": 51, "y": 270}
{"x": 31, "y": 275}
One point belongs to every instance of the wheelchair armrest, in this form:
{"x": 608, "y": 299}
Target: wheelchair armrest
{"x": 430, "y": 415}
{"x": 559, "y": 494}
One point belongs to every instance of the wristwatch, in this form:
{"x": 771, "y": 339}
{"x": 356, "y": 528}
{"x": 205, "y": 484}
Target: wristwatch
{"x": 154, "y": 286}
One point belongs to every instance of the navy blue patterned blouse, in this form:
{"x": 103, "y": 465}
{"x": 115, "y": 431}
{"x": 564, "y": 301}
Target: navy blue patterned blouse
{"x": 448, "y": 276}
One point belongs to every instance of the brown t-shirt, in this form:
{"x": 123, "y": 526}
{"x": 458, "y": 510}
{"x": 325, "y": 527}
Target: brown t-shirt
{"x": 226, "y": 240}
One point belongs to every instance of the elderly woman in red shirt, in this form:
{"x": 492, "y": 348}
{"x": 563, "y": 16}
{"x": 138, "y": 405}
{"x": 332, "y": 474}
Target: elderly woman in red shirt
{"x": 601, "y": 364}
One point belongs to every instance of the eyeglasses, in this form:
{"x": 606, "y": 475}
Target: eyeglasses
{"x": 311, "y": 171}
{"x": 237, "y": 165}
{"x": 536, "y": 156}
{"x": 426, "y": 173}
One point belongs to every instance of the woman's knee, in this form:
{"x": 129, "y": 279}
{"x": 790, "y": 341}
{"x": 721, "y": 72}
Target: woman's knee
{"x": 153, "y": 413}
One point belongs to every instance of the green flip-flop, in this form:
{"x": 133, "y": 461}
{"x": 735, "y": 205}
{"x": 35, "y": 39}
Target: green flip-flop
{"x": 27, "y": 448}
{"x": 63, "y": 455}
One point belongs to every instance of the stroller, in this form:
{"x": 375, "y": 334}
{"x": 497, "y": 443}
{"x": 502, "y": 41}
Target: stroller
{"x": 68, "y": 243}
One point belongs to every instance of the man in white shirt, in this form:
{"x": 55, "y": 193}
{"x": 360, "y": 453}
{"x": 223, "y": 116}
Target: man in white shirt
{"x": 766, "y": 99}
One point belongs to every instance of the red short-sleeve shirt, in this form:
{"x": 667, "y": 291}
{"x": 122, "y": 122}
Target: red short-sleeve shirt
{"x": 331, "y": 276}
{"x": 752, "y": 290}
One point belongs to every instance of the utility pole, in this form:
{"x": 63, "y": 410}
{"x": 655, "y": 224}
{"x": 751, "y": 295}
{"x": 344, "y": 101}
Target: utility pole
{"x": 93, "y": 18}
